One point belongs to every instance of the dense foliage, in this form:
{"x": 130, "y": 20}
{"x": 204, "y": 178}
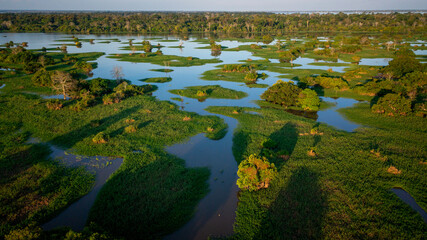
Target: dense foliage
{"x": 255, "y": 173}
{"x": 143, "y": 22}
{"x": 287, "y": 94}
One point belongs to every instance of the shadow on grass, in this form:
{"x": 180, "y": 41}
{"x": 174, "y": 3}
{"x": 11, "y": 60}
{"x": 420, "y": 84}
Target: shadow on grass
{"x": 286, "y": 139}
{"x": 70, "y": 139}
{"x": 298, "y": 210}
{"x": 153, "y": 195}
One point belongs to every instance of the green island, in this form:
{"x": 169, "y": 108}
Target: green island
{"x": 159, "y": 59}
{"x": 211, "y": 91}
{"x": 157, "y": 80}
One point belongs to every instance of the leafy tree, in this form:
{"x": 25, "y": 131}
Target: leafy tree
{"x": 282, "y": 93}
{"x": 392, "y": 105}
{"x": 404, "y": 62}
{"x": 99, "y": 86}
{"x": 415, "y": 84}
{"x": 255, "y": 173}
{"x": 309, "y": 100}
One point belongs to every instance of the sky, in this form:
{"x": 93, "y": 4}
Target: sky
{"x": 215, "y": 5}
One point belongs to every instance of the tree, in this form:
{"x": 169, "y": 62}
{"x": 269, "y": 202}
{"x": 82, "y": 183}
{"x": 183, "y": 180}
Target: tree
{"x": 255, "y": 173}
{"x": 98, "y": 86}
{"x": 392, "y": 104}
{"x": 117, "y": 73}
{"x": 309, "y": 100}
{"x": 63, "y": 83}
{"x": 404, "y": 62}
{"x": 282, "y": 93}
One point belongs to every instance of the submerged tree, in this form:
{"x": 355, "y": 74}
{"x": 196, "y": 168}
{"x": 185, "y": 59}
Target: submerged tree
{"x": 117, "y": 73}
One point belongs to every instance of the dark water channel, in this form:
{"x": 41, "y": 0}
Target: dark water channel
{"x": 215, "y": 213}
{"x": 408, "y": 199}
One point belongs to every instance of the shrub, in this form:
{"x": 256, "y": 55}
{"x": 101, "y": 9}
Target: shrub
{"x": 112, "y": 98}
{"x": 255, "y": 173}
{"x": 255, "y": 46}
{"x": 84, "y": 103}
{"x": 251, "y": 76}
{"x": 101, "y": 137}
{"x": 201, "y": 93}
{"x": 131, "y": 129}
{"x": 267, "y": 39}
{"x": 54, "y": 104}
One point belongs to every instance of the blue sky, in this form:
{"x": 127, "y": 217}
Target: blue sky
{"x": 216, "y": 5}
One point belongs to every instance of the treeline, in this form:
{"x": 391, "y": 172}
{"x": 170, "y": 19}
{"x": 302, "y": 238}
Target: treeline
{"x": 174, "y": 22}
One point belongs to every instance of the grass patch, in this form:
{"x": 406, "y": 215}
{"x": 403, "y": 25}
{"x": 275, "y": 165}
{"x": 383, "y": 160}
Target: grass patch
{"x": 165, "y": 70}
{"x": 157, "y": 80}
{"x": 211, "y": 91}
{"x": 173, "y": 61}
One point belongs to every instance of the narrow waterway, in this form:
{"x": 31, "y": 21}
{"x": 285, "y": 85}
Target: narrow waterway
{"x": 215, "y": 213}
{"x": 408, "y": 199}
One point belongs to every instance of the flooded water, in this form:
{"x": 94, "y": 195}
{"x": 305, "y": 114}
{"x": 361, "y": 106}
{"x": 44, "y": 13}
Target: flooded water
{"x": 334, "y": 118}
{"x": 76, "y": 214}
{"x": 215, "y": 213}
{"x": 408, "y": 199}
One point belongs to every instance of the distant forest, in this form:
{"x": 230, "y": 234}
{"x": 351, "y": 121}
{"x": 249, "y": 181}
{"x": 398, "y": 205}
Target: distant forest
{"x": 213, "y": 22}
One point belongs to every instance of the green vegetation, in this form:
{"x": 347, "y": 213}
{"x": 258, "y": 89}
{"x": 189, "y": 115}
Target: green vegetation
{"x": 165, "y": 70}
{"x": 103, "y": 117}
{"x": 157, "y": 80}
{"x": 210, "y": 91}
{"x": 154, "y": 185}
{"x": 330, "y": 184}
{"x": 184, "y": 23}
{"x": 255, "y": 173}
{"x": 173, "y": 61}
{"x": 235, "y": 73}
{"x": 286, "y": 94}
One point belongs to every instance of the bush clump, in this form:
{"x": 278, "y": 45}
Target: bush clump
{"x": 101, "y": 137}
{"x": 54, "y": 104}
{"x": 255, "y": 173}
{"x": 131, "y": 129}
